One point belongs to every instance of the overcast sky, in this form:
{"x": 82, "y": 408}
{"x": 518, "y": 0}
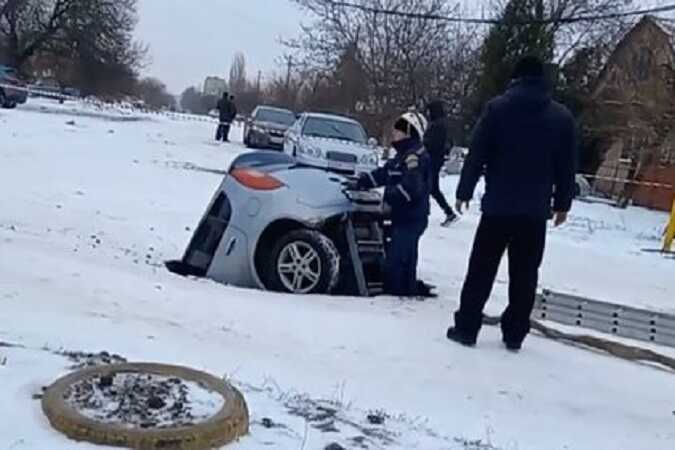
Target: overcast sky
{"x": 191, "y": 39}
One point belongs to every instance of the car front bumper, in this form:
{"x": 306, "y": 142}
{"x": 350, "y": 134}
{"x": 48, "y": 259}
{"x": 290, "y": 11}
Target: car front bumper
{"x": 16, "y": 95}
{"x": 340, "y": 167}
{"x": 263, "y": 138}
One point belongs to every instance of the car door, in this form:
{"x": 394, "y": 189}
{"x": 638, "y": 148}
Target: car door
{"x": 292, "y": 137}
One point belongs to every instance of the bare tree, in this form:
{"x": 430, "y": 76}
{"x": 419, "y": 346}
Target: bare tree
{"x": 238, "y": 82}
{"x": 155, "y": 94}
{"x": 400, "y": 58}
{"x": 27, "y": 26}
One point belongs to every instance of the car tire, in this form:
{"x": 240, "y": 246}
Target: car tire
{"x": 3, "y": 99}
{"x": 228, "y": 425}
{"x": 320, "y": 274}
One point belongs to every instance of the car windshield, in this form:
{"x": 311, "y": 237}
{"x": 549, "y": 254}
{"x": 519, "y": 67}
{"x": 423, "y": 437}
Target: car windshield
{"x": 275, "y": 116}
{"x": 335, "y": 129}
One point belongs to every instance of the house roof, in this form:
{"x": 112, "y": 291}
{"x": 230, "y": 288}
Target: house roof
{"x": 626, "y": 41}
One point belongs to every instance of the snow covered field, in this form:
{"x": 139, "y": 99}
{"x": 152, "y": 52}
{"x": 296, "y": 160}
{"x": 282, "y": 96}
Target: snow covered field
{"x": 93, "y": 202}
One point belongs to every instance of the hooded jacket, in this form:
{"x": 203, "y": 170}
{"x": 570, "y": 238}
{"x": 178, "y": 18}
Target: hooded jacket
{"x": 407, "y": 181}
{"x": 525, "y": 144}
{"x": 436, "y": 136}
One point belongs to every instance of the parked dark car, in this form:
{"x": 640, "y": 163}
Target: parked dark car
{"x": 12, "y": 88}
{"x": 267, "y": 127}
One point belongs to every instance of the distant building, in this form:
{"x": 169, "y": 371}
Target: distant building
{"x": 632, "y": 113}
{"x": 215, "y": 86}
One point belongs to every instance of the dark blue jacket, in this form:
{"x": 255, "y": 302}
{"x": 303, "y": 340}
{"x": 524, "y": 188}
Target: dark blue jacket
{"x": 525, "y": 145}
{"x": 407, "y": 181}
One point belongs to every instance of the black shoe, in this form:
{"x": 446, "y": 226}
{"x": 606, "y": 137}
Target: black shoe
{"x": 513, "y": 346}
{"x": 454, "y": 335}
{"x": 449, "y": 220}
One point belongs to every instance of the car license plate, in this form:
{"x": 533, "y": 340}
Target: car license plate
{"x": 340, "y": 165}
{"x": 276, "y": 140}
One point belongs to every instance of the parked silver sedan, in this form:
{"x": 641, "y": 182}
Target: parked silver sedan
{"x": 331, "y": 142}
{"x": 277, "y": 225}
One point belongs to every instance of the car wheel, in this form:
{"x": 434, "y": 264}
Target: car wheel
{"x": 3, "y": 99}
{"x": 10, "y": 105}
{"x": 303, "y": 262}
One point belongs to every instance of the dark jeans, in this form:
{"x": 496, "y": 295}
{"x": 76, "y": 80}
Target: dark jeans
{"x": 402, "y": 256}
{"x": 223, "y": 132}
{"x": 525, "y": 239}
{"x": 436, "y": 189}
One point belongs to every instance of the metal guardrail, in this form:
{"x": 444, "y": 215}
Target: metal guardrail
{"x": 619, "y": 320}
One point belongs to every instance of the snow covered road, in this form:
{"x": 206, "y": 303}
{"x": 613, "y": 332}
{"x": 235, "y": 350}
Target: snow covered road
{"x": 91, "y": 206}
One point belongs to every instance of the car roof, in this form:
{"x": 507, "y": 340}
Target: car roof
{"x": 274, "y": 108}
{"x": 330, "y": 117}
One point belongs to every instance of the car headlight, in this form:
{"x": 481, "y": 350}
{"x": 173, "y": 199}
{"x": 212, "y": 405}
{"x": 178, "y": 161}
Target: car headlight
{"x": 369, "y": 160}
{"x": 258, "y": 129}
{"x": 311, "y": 152}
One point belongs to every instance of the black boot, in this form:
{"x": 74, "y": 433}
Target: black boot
{"x": 513, "y": 346}
{"x": 456, "y": 336}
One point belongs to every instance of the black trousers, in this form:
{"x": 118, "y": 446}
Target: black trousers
{"x": 525, "y": 239}
{"x": 223, "y": 132}
{"x": 436, "y": 193}
{"x": 402, "y": 256}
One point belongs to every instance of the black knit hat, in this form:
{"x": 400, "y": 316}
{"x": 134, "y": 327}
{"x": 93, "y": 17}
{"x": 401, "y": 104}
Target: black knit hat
{"x": 529, "y": 66}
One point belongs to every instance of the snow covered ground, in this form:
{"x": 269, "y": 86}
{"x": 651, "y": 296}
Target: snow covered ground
{"x": 94, "y": 201}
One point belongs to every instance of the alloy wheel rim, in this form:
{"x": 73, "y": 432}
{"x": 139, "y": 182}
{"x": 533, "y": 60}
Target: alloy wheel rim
{"x": 299, "y": 267}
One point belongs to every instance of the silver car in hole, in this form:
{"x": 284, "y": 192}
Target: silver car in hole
{"x": 331, "y": 142}
{"x": 277, "y": 225}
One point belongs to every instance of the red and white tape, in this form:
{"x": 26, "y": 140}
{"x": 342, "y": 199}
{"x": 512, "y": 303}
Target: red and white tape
{"x": 627, "y": 181}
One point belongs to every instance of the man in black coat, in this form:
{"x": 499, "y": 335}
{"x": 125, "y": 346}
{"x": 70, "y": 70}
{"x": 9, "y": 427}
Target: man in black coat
{"x": 437, "y": 144}
{"x": 224, "y": 117}
{"x": 525, "y": 144}
{"x": 232, "y": 114}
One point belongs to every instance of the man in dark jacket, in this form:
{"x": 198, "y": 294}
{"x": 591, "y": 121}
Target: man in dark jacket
{"x": 224, "y": 116}
{"x": 525, "y": 144}
{"x": 232, "y": 114}
{"x": 436, "y": 143}
{"x": 407, "y": 181}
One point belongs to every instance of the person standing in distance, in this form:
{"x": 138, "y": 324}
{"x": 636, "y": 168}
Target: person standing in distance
{"x": 407, "y": 181}
{"x": 223, "y": 117}
{"x": 436, "y": 143}
{"x": 231, "y": 115}
{"x": 525, "y": 144}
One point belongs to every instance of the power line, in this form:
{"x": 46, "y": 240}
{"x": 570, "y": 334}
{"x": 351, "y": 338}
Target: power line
{"x": 473, "y": 20}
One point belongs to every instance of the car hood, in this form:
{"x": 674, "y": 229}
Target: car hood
{"x": 314, "y": 187}
{"x": 271, "y": 126}
{"x": 336, "y": 145}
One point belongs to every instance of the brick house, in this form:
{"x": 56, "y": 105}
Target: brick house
{"x": 632, "y": 112}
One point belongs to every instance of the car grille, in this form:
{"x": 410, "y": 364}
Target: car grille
{"x": 342, "y": 157}
{"x": 276, "y": 133}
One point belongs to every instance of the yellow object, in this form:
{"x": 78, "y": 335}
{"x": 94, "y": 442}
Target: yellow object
{"x": 670, "y": 232}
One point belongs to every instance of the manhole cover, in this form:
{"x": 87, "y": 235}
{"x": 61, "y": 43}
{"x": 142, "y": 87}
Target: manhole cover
{"x": 146, "y": 406}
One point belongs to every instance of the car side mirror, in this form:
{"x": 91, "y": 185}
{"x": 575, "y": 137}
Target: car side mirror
{"x": 373, "y": 142}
